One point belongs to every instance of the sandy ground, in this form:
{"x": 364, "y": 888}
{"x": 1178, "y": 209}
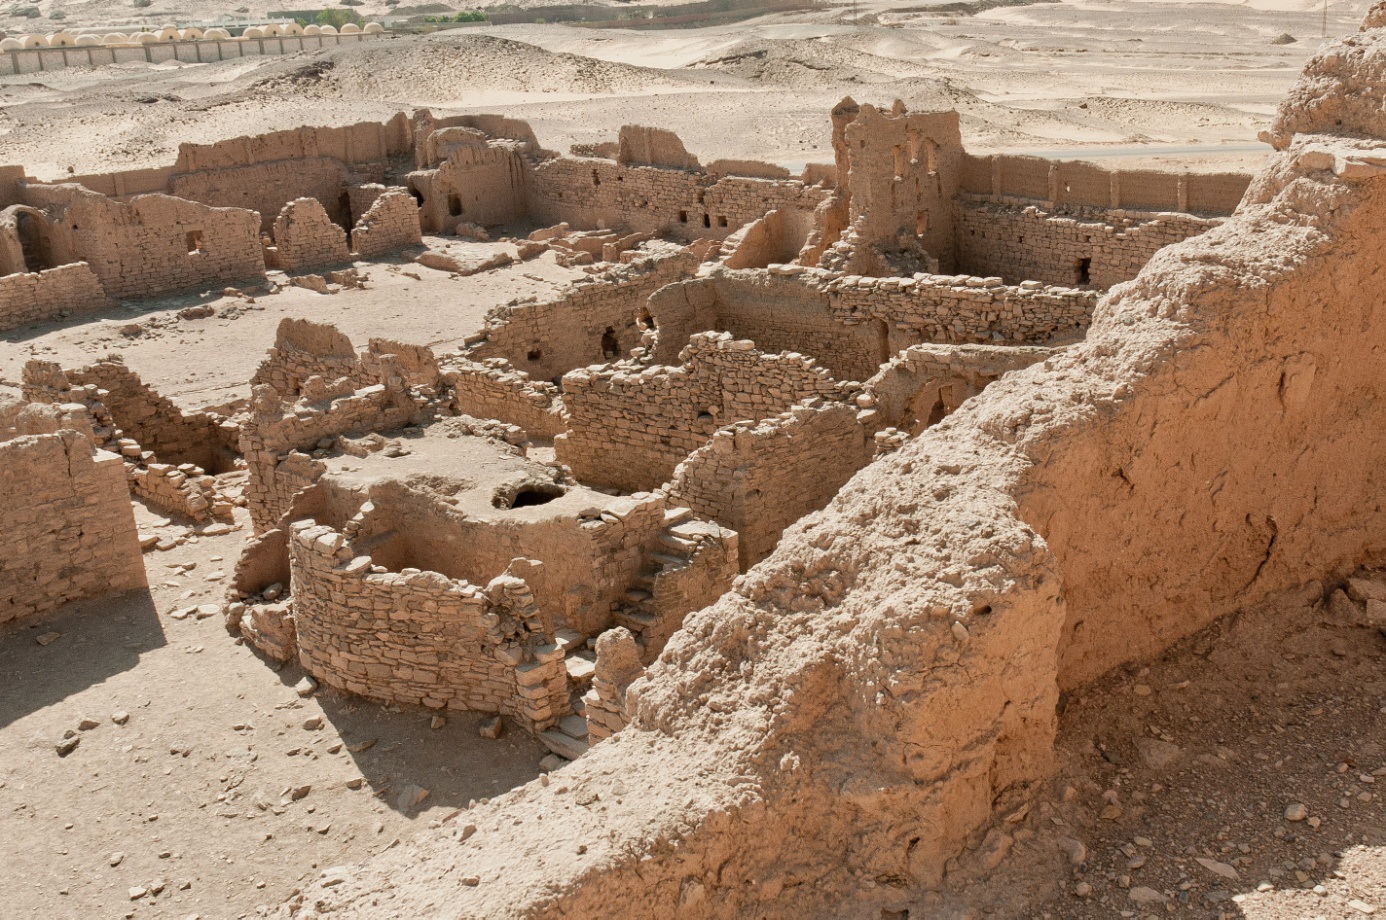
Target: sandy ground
{"x": 1144, "y": 81}
{"x": 199, "y": 798}
{"x": 209, "y": 361}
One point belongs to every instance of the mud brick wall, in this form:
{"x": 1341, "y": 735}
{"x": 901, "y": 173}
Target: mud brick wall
{"x": 419, "y": 637}
{"x": 391, "y": 224}
{"x": 924, "y": 383}
{"x": 305, "y": 237}
{"x": 496, "y": 390}
{"x": 681, "y": 590}
{"x": 482, "y": 185}
{"x": 156, "y": 244}
{"x": 757, "y": 478}
{"x": 777, "y": 312}
{"x": 549, "y": 339}
{"x": 156, "y": 422}
{"x": 593, "y": 194}
{"x": 629, "y": 428}
{"x": 267, "y": 187}
{"x": 36, "y": 297}
{"x": 955, "y": 308}
{"x": 67, "y": 530}
{"x": 1105, "y": 247}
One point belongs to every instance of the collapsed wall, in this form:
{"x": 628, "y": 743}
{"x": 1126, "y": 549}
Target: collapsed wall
{"x": 629, "y": 426}
{"x": 823, "y": 738}
{"x": 67, "y": 530}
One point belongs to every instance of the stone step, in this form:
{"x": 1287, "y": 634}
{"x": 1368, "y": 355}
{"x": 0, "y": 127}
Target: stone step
{"x": 567, "y": 638}
{"x": 562, "y": 744}
{"x": 637, "y": 621}
{"x": 679, "y": 545}
{"x": 574, "y": 727}
{"x": 674, "y": 516}
{"x": 580, "y": 667}
{"x": 669, "y": 562}
{"x": 638, "y": 596}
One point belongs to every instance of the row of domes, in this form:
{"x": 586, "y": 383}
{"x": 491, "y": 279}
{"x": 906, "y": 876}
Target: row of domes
{"x": 172, "y": 34}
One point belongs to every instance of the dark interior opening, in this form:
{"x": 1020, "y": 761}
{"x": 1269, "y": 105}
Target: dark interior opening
{"x": 534, "y": 354}
{"x": 31, "y": 241}
{"x": 1084, "y": 271}
{"x": 454, "y": 205}
{"x": 610, "y": 347}
{"x": 707, "y": 220}
{"x": 596, "y": 179}
{"x": 344, "y": 210}
{"x": 528, "y": 495}
{"x": 417, "y": 195}
{"x": 194, "y": 241}
{"x": 528, "y": 498}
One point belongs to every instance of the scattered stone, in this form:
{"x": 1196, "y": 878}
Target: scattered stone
{"x": 312, "y": 723}
{"x": 1143, "y": 895}
{"x": 411, "y": 796}
{"x": 138, "y": 892}
{"x": 1296, "y": 811}
{"x": 86, "y": 725}
{"x": 552, "y": 762}
{"x": 1157, "y": 754}
{"x": 492, "y": 727}
{"x": 299, "y": 792}
{"x": 360, "y": 746}
{"x": 67, "y": 745}
{"x": 120, "y": 717}
{"x": 1217, "y": 868}
{"x": 1075, "y": 850}
{"x": 437, "y": 722}
{"x": 48, "y": 638}
{"x": 1362, "y": 907}
{"x": 306, "y": 687}
{"x": 116, "y": 859}
{"x": 1082, "y": 889}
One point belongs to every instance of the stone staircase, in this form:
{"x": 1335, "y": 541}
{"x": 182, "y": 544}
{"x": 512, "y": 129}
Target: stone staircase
{"x": 569, "y": 737}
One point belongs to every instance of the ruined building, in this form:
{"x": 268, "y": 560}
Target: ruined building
{"x": 795, "y": 510}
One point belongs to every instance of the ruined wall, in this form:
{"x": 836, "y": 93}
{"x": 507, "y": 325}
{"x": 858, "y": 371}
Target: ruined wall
{"x": 391, "y": 224}
{"x": 1078, "y": 184}
{"x": 759, "y": 477}
{"x": 592, "y": 193}
{"x": 305, "y": 237}
{"x": 267, "y": 188}
{"x": 155, "y": 244}
{"x": 496, "y": 390}
{"x": 156, "y": 422}
{"x": 630, "y": 427}
{"x": 419, "y": 637}
{"x": 479, "y": 183}
{"x": 67, "y": 531}
{"x": 547, "y": 340}
{"x": 1079, "y": 247}
{"x": 925, "y": 383}
{"x": 55, "y": 293}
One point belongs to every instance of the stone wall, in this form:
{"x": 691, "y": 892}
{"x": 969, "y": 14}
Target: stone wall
{"x": 1078, "y": 184}
{"x": 496, "y": 390}
{"x": 267, "y": 188}
{"x": 391, "y": 224}
{"x": 67, "y": 530}
{"x": 305, "y": 237}
{"x": 759, "y": 477}
{"x": 154, "y": 244}
{"x": 925, "y": 383}
{"x": 479, "y": 182}
{"x": 158, "y": 424}
{"x": 595, "y": 193}
{"x": 419, "y": 637}
{"x": 595, "y": 321}
{"x": 54, "y": 293}
{"x": 1089, "y": 247}
{"x": 629, "y": 427}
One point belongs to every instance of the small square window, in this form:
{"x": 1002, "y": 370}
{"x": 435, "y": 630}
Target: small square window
{"x": 194, "y": 241}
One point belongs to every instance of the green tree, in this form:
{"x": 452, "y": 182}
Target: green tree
{"x": 337, "y": 18}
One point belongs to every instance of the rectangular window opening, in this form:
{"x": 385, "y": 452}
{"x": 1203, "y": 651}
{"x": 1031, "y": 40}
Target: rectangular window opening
{"x": 194, "y": 241}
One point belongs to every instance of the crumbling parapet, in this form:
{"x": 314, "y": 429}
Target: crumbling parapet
{"x": 391, "y": 224}
{"x": 305, "y": 237}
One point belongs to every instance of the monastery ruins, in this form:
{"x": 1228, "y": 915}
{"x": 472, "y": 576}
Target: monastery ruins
{"x": 796, "y": 510}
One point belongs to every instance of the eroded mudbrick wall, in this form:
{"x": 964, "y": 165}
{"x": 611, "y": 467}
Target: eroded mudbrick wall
{"x": 1084, "y": 246}
{"x": 306, "y": 237}
{"x": 594, "y": 322}
{"x": 630, "y": 427}
{"x": 759, "y": 477}
{"x": 36, "y": 297}
{"x": 67, "y": 529}
{"x": 391, "y": 224}
{"x": 478, "y": 182}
